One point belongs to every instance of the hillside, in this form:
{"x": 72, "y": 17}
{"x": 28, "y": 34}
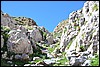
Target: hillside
{"x": 74, "y": 41}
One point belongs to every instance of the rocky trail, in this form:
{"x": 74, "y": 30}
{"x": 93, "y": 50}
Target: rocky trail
{"x": 74, "y": 41}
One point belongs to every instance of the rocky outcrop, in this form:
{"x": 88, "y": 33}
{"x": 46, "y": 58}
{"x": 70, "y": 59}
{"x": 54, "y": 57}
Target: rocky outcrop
{"x": 6, "y": 20}
{"x": 36, "y": 35}
{"x": 23, "y": 37}
{"x": 18, "y": 42}
{"x": 59, "y": 29}
{"x": 49, "y": 39}
{"x": 24, "y": 21}
{"x": 22, "y": 57}
{"x": 14, "y": 22}
{"x": 82, "y": 32}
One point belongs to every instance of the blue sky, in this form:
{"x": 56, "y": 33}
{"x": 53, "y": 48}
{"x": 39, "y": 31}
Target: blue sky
{"x": 45, "y": 13}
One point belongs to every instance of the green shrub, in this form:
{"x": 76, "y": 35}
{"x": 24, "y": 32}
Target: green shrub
{"x": 82, "y": 48}
{"x": 5, "y": 31}
{"x": 21, "y": 23}
{"x": 95, "y": 61}
{"x": 75, "y": 27}
{"x": 16, "y": 19}
{"x": 29, "y": 27}
{"x": 65, "y": 29}
{"x": 95, "y": 7}
{"x": 44, "y": 35}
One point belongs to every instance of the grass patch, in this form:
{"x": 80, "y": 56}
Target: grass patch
{"x": 95, "y": 61}
{"x": 58, "y": 34}
{"x": 55, "y": 46}
{"x": 39, "y": 60}
{"x": 62, "y": 62}
{"x": 51, "y": 49}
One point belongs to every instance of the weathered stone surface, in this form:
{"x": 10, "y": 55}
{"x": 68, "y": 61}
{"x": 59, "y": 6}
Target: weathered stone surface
{"x": 86, "y": 63}
{"x": 49, "y": 55}
{"x": 12, "y": 32}
{"x": 27, "y": 65}
{"x": 6, "y": 20}
{"x": 33, "y": 43}
{"x": 19, "y": 43}
{"x": 9, "y": 62}
{"x": 25, "y": 57}
{"x": 76, "y": 61}
{"x": 2, "y": 41}
{"x": 64, "y": 42}
{"x": 18, "y": 57}
{"x": 4, "y": 55}
{"x": 36, "y": 35}
{"x": 36, "y": 58}
{"x": 49, "y": 39}
{"x": 49, "y": 61}
{"x": 83, "y": 30}
{"x": 85, "y": 53}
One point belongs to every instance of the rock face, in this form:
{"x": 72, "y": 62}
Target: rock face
{"x": 13, "y": 22}
{"x": 81, "y": 33}
{"x": 59, "y": 28}
{"x": 36, "y": 35}
{"x": 22, "y": 57}
{"x": 19, "y": 43}
{"x": 49, "y": 39}
{"x": 6, "y": 20}
{"x": 84, "y": 31}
